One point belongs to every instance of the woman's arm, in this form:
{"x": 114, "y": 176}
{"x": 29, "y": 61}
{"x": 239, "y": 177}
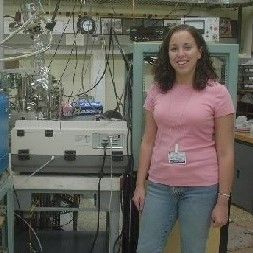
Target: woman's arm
{"x": 224, "y": 139}
{"x": 147, "y": 144}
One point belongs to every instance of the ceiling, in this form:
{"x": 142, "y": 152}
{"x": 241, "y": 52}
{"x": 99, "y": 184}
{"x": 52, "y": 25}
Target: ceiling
{"x": 173, "y": 2}
{"x": 199, "y": 3}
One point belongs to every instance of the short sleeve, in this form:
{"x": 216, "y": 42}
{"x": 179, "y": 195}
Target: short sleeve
{"x": 223, "y": 102}
{"x": 149, "y": 103}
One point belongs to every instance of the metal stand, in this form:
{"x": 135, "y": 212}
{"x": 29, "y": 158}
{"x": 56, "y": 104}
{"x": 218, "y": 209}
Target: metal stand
{"x": 110, "y": 195}
{"x": 6, "y": 190}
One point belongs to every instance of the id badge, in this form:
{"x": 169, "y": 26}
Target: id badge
{"x": 177, "y": 157}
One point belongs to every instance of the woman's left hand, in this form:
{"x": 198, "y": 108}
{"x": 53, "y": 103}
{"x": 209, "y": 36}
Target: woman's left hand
{"x": 220, "y": 213}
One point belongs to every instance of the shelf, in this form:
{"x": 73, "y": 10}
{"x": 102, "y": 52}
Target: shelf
{"x": 244, "y": 102}
{"x": 245, "y": 90}
{"x": 245, "y": 113}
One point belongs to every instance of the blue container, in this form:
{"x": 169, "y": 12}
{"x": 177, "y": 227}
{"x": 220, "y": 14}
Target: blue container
{"x": 86, "y": 107}
{"x": 4, "y": 132}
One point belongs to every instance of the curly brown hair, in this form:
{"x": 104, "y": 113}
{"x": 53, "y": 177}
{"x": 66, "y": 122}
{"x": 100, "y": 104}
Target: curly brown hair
{"x": 164, "y": 73}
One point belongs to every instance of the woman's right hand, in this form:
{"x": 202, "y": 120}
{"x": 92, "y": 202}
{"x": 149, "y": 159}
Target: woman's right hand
{"x": 139, "y": 197}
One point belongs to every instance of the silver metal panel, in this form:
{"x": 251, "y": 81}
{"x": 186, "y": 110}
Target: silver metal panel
{"x": 81, "y": 165}
{"x": 65, "y": 183}
{"x": 84, "y": 137}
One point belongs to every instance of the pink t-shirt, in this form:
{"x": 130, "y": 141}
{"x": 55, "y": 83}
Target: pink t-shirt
{"x": 185, "y": 116}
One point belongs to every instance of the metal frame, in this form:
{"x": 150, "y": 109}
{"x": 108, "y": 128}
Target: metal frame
{"x": 110, "y": 189}
{"x": 228, "y": 51}
{"x": 6, "y": 190}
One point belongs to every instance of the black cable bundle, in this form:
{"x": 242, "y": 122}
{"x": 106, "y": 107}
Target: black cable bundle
{"x": 50, "y": 25}
{"x": 100, "y": 175}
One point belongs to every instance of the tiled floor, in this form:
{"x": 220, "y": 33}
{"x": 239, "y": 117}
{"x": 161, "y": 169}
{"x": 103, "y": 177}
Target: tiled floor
{"x": 246, "y": 250}
{"x": 240, "y": 235}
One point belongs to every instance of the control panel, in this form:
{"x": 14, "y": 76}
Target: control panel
{"x": 207, "y": 26}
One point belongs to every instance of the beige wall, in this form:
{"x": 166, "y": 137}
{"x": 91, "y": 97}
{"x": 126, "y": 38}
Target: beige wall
{"x": 119, "y": 79}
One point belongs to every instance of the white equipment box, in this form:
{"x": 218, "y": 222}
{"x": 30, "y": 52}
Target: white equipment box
{"x": 75, "y": 144}
{"x": 207, "y": 26}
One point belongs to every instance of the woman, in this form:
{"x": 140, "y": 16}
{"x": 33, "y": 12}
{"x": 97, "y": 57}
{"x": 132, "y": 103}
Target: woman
{"x": 187, "y": 150}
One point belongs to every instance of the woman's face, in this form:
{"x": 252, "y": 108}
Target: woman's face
{"x": 183, "y": 54}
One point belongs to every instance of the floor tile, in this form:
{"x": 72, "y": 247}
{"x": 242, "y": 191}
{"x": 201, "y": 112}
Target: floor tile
{"x": 246, "y": 250}
{"x": 240, "y": 233}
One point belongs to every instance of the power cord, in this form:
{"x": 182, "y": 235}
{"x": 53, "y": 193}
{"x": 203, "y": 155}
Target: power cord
{"x": 100, "y": 176}
{"x": 36, "y": 236}
{"x": 50, "y": 25}
{"x": 43, "y": 166}
{"x": 110, "y": 200}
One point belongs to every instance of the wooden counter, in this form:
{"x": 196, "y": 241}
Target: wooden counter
{"x": 246, "y": 137}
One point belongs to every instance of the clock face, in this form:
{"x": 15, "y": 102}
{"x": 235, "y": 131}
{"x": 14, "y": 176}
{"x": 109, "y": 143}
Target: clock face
{"x": 86, "y": 25}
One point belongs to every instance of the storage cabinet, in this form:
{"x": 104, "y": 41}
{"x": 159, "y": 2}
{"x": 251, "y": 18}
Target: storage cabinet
{"x": 242, "y": 193}
{"x": 245, "y": 91}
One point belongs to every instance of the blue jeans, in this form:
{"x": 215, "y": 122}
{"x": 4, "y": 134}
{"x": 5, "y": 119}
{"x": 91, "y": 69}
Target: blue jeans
{"x": 192, "y": 206}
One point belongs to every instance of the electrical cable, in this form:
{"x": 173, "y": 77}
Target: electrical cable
{"x": 95, "y": 85}
{"x": 66, "y": 65}
{"x": 111, "y": 170}
{"x": 99, "y": 80}
{"x": 30, "y": 227}
{"x": 62, "y": 225}
{"x": 41, "y": 7}
{"x": 125, "y": 228}
{"x": 127, "y": 64}
{"x": 76, "y": 58}
{"x": 34, "y": 18}
{"x": 57, "y": 6}
{"x": 121, "y": 50}
{"x": 39, "y": 169}
{"x": 116, "y": 243}
{"x": 100, "y": 176}
{"x": 107, "y": 65}
{"x": 111, "y": 71}
{"x": 31, "y": 213}
{"x": 85, "y": 54}
{"x": 30, "y": 20}
{"x": 128, "y": 175}
{"x": 16, "y": 195}
{"x": 121, "y": 233}
{"x": 62, "y": 34}
{"x": 50, "y": 25}
{"x": 86, "y": 49}
{"x": 84, "y": 73}
{"x": 42, "y": 167}
{"x": 127, "y": 93}
{"x": 118, "y": 99}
